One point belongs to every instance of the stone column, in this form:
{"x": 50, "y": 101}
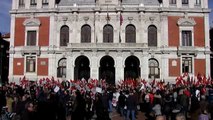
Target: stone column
{"x": 208, "y": 66}
{"x": 119, "y": 68}
{"x": 52, "y": 30}
{"x": 75, "y": 30}
{"x": 165, "y": 3}
{"x": 27, "y": 4}
{"x": 206, "y": 23}
{"x": 52, "y": 67}
{"x": 164, "y": 29}
{"x": 39, "y": 4}
{"x": 145, "y": 66}
{"x": 70, "y": 67}
{"x": 51, "y": 3}
{"x": 15, "y": 4}
{"x": 205, "y": 3}
{"x": 12, "y": 50}
{"x": 179, "y": 3}
{"x": 94, "y": 67}
{"x": 96, "y": 27}
{"x": 191, "y": 3}
{"x": 164, "y": 66}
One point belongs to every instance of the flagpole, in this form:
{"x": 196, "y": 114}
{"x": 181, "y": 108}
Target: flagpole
{"x": 120, "y": 27}
{"x": 107, "y": 15}
{"x": 94, "y": 28}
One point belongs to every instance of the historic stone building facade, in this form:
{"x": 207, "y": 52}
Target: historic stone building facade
{"x": 109, "y": 39}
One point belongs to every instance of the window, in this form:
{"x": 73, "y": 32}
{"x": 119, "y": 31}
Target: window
{"x": 33, "y": 2}
{"x": 154, "y": 68}
{"x": 130, "y": 34}
{"x": 45, "y": 2}
{"x": 61, "y": 70}
{"x": 186, "y": 65}
{"x": 86, "y": 34}
{"x": 108, "y": 34}
{"x": 64, "y": 35}
{"x": 186, "y": 38}
{"x": 172, "y": 1}
{"x": 197, "y": 2}
{"x": 30, "y": 64}
{"x": 152, "y": 35}
{"x": 31, "y": 38}
{"x": 185, "y": 2}
{"x": 21, "y": 3}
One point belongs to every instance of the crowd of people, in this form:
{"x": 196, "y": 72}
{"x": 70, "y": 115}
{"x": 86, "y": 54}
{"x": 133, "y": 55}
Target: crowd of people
{"x": 49, "y": 99}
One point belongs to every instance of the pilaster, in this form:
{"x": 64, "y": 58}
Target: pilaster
{"x": 179, "y": 3}
{"x": 52, "y": 30}
{"x": 119, "y": 68}
{"x": 206, "y": 23}
{"x": 164, "y": 29}
{"x": 165, "y": 3}
{"x": 191, "y": 3}
{"x": 144, "y": 66}
{"x": 12, "y": 38}
{"x": 52, "y": 67}
{"x": 39, "y": 4}
{"x": 51, "y": 3}
{"x": 164, "y": 67}
{"x": 14, "y": 4}
{"x": 70, "y": 67}
{"x": 27, "y": 4}
{"x": 94, "y": 66}
{"x": 208, "y": 65}
{"x": 205, "y": 2}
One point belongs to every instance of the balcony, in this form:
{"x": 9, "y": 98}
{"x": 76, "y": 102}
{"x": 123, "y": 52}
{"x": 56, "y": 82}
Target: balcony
{"x": 187, "y": 50}
{"x": 30, "y": 50}
{"x": 107, "y": 46}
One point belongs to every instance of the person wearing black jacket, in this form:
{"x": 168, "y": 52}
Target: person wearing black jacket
{"x": 121, "y": 103}
{"x": 29, "y": 113}
{"x": 131, "y": 106}
{"x": 79, "y": 107}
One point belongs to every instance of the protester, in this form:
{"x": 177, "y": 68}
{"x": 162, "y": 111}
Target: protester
{"x": 92, "y": 99}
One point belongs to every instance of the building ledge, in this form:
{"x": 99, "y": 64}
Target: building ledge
{"x": 31, "y": 50}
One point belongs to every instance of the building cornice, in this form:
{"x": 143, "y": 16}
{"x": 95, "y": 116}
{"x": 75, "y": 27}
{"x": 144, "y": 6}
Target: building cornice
{"x": 112, "y": 9}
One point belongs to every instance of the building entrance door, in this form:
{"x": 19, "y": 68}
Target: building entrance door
{"x": 132, "y": 69}
{"x": 82, "y": 69}
{"x": 107, "y": 70}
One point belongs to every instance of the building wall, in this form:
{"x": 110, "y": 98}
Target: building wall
{"x": 19, "y": 39}
{"x": 44, "y": 31}
{"x": 18, "y": 65}
{"x": 200, "y": 66}
{"x": 174, "y": 67}
{"x": 169, "y": 52}
{"x": 42, "y": 67}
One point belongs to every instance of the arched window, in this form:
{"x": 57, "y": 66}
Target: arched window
{"x": 61, "y": 70}
{"x": 64, "y": 35}
{"x": 130, "y": 34}
{"x": 154, "y": 70}
{"x": 85, "y": 34}
{"x": 152, "y": 36}
{"x": 108, "y": 34}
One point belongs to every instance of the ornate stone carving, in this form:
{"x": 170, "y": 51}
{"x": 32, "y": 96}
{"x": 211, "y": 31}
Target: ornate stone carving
{"x": 86, "y": 18}
{"x": 186, "y": 21}
{"x": 32, "y": 22}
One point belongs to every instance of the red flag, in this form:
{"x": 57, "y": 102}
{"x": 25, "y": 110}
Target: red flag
{"x": 121, "y": 19}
